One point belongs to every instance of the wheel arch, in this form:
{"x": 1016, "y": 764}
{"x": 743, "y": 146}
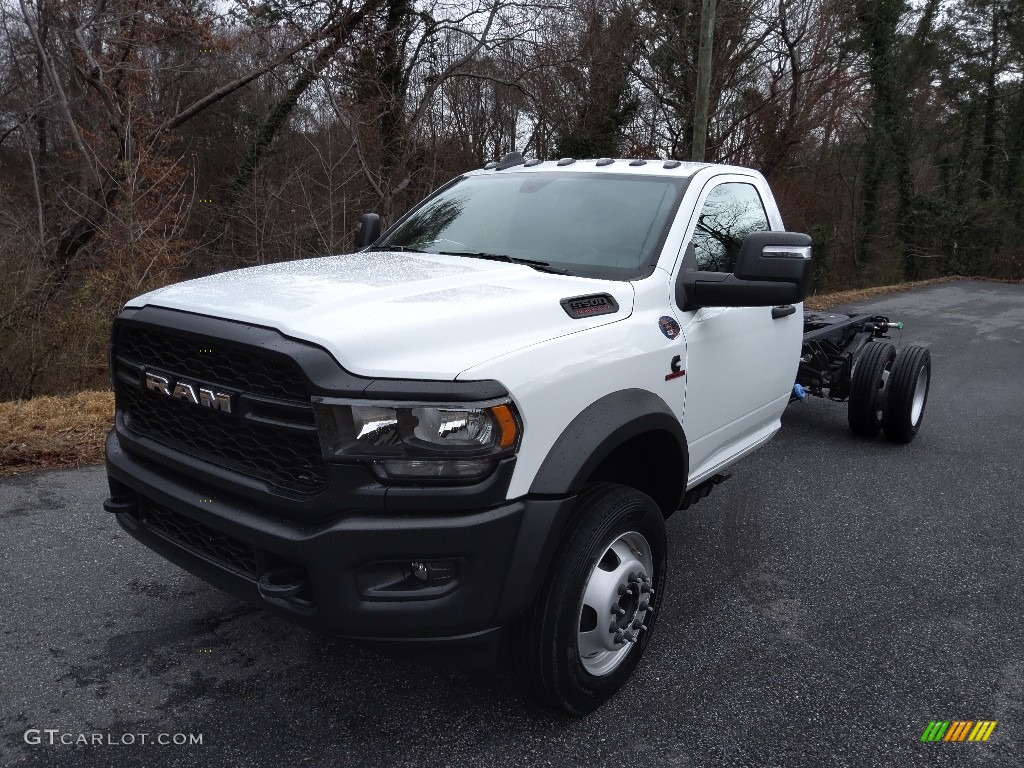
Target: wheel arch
{"x": 631, "y": 437}
{"x": 610, "y": 427}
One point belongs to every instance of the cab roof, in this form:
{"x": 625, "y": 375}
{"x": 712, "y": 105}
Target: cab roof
{"x": 514, "y": 161}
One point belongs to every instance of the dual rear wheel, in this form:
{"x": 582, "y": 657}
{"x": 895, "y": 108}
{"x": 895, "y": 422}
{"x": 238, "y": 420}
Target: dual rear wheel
{"x": 889, "y": 391}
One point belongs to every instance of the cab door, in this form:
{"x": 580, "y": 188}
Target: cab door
{"x": 741, "y": 361}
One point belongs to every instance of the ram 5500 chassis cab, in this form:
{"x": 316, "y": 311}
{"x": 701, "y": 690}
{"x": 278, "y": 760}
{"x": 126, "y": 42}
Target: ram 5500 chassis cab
{"x": 478, "y": 422}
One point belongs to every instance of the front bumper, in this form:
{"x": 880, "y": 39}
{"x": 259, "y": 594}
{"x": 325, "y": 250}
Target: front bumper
{"x": 352, "y": 572}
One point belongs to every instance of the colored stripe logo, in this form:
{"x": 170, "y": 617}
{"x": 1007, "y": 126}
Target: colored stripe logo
{"x": 959, "y": 730}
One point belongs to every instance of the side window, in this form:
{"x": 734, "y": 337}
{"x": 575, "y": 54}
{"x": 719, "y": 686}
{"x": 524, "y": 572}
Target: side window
{"x": 732, "y": 211}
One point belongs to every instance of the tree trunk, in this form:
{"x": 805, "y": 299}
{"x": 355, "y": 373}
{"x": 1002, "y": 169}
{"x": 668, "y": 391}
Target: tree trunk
{"x": 707, "y": 42}
{"x": 988, "y": 132}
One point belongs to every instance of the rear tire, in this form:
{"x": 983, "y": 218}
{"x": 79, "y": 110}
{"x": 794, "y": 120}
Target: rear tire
{"x": 869, "y": 379}
{"x": 909, "y": 383}
{"x": 565, "y": 646}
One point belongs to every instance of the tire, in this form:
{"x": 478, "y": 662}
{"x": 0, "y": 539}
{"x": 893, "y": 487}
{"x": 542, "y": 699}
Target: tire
{"x": 564, "y": 646}
{"x": 908, "y": 387}
{"x": 870, "y": 374}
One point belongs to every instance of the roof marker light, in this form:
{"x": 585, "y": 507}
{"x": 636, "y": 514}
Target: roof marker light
{"x": 510, "y": 160}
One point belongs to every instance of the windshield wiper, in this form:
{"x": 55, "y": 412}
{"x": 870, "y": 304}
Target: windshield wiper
{"x": 540, "y": 266}
{"x": 402, "y": 248}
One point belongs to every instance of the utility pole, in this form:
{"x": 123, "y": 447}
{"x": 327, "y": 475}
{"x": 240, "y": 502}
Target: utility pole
{"x": 707, "y": 41}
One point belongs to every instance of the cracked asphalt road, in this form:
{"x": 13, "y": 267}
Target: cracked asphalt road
{"x": 825, "y": 604}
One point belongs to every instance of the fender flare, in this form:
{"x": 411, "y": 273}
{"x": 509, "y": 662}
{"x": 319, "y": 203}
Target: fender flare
{"x": 597, "y": 431}
{"x": 587, "y": 441}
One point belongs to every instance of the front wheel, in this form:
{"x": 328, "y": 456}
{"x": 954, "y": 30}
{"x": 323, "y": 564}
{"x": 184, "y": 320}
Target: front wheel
{"x": 591, "y": 622}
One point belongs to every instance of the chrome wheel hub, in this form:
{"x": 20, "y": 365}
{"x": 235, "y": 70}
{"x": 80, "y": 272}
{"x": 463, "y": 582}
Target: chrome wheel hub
{"x": 616, "y": 604}
{"x": 920, "y": 391}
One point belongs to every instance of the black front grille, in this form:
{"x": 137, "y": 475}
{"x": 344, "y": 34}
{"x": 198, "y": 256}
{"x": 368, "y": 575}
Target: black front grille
{"x": 286, "y": 459}
{"x": 225, "y": 550}
{"x": 256, "y": 371}
{"x": 284, "y": 452}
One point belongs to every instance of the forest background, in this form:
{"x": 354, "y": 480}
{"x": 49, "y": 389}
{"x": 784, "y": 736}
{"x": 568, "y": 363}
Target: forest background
{"x": 144, "y": 142}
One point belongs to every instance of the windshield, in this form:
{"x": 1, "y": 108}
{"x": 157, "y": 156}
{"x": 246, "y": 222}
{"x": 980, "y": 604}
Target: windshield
{"x": 608, "y": 226}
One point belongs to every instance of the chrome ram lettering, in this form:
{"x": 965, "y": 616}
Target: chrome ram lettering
{"x": 192, "y": 393}
{"x": 216, "y": 400}
{"x": 184, "y": 391}
{"x": 159, "y": 384}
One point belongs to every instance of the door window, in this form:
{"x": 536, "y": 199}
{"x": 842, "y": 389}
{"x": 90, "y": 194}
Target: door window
{"x": 731, "y": 212}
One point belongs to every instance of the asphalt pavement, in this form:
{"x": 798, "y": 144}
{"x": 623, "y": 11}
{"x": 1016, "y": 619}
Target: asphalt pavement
{"x": 825, "y": 604}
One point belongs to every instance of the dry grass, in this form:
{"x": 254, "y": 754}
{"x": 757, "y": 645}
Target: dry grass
{"x": 49, "y": 432}
{"x": 827, "y": 300}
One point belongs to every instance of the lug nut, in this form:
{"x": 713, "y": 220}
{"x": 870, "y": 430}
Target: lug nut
{"x": 624, "y": 590}
{"x": 619, "y": 637}
{"x": 617, "y": 611}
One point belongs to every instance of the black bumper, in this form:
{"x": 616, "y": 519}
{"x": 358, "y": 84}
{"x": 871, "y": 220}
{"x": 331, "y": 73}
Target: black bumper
{"x": 350, "y": 575}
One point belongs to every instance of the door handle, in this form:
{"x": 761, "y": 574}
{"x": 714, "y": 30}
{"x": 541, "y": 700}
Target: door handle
{"x": 784, "y": 311}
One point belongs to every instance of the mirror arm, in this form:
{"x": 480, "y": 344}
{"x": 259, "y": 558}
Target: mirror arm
{"x": 686, "y": 287}
{"x": 695, "y": 290}
{"x": 369, "y": 230}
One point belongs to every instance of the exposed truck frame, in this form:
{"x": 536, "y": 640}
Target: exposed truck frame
{"x": 849, "y": 358}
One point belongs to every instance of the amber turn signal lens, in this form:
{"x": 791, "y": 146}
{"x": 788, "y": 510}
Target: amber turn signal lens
{"x": 507, "y": 424}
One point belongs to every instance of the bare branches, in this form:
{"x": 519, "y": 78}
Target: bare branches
{"x": 227, "y": 89}
{"x": 62, "y": 98}
{"x": 138, "y": 135}
{"x": 479, "y": 41}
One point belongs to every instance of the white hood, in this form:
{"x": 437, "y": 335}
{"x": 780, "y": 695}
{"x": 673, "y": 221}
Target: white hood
{"x": 398, "y": 315}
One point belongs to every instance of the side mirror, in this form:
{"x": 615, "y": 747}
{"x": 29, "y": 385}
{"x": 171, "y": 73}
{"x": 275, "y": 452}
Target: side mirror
{"x": 772, "y": 268}
{"x": 369, "y": 230}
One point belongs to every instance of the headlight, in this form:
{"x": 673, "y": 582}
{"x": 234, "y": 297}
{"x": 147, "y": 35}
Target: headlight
{"x": 418, "y": 440}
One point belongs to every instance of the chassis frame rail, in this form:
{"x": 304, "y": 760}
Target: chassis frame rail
{"x": 832, "y": 344}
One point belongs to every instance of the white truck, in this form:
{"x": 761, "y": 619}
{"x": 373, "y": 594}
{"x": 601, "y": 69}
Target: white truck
{"x": 466, "y": 436}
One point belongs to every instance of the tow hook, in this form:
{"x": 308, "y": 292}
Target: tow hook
{"x": 124, "y": 504}
{"x": 283, "y": 584}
